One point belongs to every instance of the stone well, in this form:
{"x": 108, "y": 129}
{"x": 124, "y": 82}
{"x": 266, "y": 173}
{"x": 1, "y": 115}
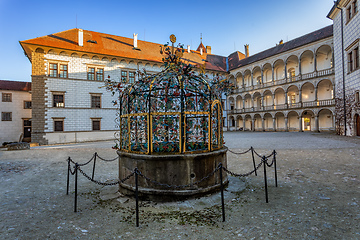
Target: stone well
{"x": 180, "y": 169}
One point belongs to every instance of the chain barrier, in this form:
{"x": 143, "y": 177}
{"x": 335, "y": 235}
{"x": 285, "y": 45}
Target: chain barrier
{"x": 106, "y": 160}
{"x": 104, "y": 183}
{"x": 136, "y": 173}
{"x": 243, "y": 175}
{"x": 241, "y": 152}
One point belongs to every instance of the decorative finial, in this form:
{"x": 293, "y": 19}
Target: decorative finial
{"x": 172, "y": 38}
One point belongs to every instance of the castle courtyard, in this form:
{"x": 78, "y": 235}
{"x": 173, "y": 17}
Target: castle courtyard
{"x": 317, "y": 197}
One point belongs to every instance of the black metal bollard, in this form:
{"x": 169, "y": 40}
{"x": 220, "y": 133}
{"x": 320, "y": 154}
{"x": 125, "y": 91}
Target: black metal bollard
{"x": 93, "y": 172}
{"x": 222, "y": 192}
{"x": 68, "y": 177}
{"x": 137, "y": 197}
{"x": 275, "y": 168}
{"x": 252, "y": 154}
{"x": 76, "y": 180}
{"x": 265, "y": 178}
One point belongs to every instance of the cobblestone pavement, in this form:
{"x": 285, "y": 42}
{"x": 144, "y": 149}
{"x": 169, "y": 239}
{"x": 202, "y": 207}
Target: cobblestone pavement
{"x": 318, "y": 195}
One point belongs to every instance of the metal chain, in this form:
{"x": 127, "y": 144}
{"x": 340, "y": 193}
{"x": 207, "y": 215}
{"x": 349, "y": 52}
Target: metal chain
{"x": 241, "y": 152}
{"x": 72, "y": 173}
{"x": 266, "y": 161}
{"x": 106, "y": 160}
{"x": 83, "y": 164}
{"x": 243, "y": 175}
{"x": 106, "y": 184}
{"x": 178, "y": 186}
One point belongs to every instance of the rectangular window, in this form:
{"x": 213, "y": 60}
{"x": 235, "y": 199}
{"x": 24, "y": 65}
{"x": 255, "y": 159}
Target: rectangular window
{"x": 131, "y": 77}
{"x": 53, "y": 69}
{"x": 354, "y": 7}
{"x": 124, "y": 76}
{"x": 100, "y": 74}
{"x": 63, "y": 71}
{"x": 96, "y": 125}
{"x": 356, "y": 58}
{"x": 6, "y": 116}
{"x": 6, "y": 97}
{"x": 357, "y": 97}
{"x": 91, "y": 73}
{"x": 58, "y": 125}
{"x": 348, "y": 13}
{"x": 95, "y": 101}
{"x": 58, "y": 100}
{"x": 350, "y": 62}
{"x": 27, "y": 104}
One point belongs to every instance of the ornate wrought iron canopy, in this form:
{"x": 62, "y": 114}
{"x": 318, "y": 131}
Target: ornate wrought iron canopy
{"x": 173, "y": 111}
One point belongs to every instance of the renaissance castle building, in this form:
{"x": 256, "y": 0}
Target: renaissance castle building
{"x": 310, "y": 83}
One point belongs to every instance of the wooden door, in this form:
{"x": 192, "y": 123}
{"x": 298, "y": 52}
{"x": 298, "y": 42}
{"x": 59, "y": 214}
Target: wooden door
{"x": 357, "y": 125}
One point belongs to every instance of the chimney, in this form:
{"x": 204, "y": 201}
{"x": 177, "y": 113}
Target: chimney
{"x": 208, "y": 49}
{"x": 188, "y": 48}
{"x": 246, "y": 50}
{"x": 135, "y": 40}
{"x": 81, "y": 38}
{"x": 201, "y": 51}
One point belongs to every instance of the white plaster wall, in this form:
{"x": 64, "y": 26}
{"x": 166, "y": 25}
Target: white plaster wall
{"x": 10, "y": 131}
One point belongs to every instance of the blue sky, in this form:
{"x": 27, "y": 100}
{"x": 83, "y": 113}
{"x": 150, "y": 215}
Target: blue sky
{"x": 226, "y": 26}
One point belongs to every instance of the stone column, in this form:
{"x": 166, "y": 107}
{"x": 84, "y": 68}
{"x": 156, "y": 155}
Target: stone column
{"x": 316, "y": 93}
{"x": 300, "y": 96}
{"x": 272, "y": 73}
{"x": 316, "y": 123}
{"x": 262, "y": 76}
{"x": 274, "y": 124}
{"x": 263, "y": 124}
{"x": 273, "y": 100}
{"x": 315, "y": 68}
{"x": 300, "y": 124}
{"x": 262, "y": 103}
{"x": 285, "y": 69}
{"x": 244, "y": 104}
{"x": 286, "y": 124}
{"x": 252, "y": 104}
{"x": 253, "y": 124}
{"x": 235, "y": 123}
{"x": 243, "y": 81}
{"x": 244, "y": 124}
{"x": 286, "y": 98}
{"x": 252, "y": 79}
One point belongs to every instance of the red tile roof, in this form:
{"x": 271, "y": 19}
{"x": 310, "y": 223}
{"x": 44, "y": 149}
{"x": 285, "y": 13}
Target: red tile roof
{"x": 15, "y": 85}
{"x": 117, "y": 46}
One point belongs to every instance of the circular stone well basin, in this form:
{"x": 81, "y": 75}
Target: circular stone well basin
{"x": 174, "y": 170}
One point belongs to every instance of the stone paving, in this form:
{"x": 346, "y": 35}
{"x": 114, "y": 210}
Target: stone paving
{"x": 317, "y": 198}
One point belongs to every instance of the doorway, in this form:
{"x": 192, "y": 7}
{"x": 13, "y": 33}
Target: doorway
{"x": 357, "y": 123}
{"x": 307, "y": 124}
{"x": 27, "y": 130}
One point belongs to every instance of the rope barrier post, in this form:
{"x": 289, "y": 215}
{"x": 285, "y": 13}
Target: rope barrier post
{"x": 68, "y": 177}
{"x": 93, "y": 172}
{"x": 76, "y": 180}
{"x": 252, "y": 154}
{"x": 265, "y": 179}
{"x": 276, "y": 184}
{"x": 222, "y": 192}
{"x": 137, "y": 197}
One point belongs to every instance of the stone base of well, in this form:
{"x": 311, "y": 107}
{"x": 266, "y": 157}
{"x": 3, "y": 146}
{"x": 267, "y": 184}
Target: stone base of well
{"x": 172, "y": 169}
